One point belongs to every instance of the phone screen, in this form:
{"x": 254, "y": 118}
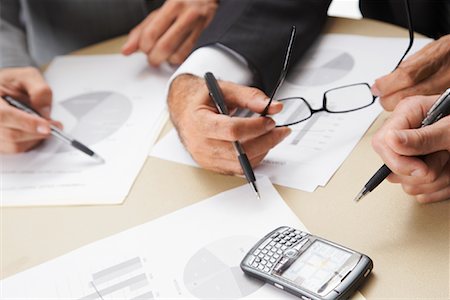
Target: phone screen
{"x": 316, "y": 266}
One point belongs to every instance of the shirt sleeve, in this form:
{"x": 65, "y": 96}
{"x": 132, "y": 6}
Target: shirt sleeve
{"x": 223, "y": 62}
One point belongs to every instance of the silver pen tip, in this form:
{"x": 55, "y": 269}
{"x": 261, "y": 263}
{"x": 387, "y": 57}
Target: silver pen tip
{"x": 361, "y": 194}
{"x": 255, "y": 188}
{"x": 98, "y": 158}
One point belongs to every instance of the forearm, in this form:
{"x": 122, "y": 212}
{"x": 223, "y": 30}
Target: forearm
{"x": 13, "y": 43}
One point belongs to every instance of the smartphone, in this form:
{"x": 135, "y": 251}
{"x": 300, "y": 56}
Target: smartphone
{"x": 306, "y": 265}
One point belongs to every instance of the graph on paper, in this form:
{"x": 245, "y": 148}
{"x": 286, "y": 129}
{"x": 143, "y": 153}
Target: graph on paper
{"x": 213, "y": 272}
{"x": 91, "y": 117}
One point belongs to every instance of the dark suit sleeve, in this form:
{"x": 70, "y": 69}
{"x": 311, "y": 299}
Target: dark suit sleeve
{"x": 259, "y": 31}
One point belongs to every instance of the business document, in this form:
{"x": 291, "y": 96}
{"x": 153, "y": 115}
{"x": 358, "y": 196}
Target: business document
{"x": 113, "y": 104}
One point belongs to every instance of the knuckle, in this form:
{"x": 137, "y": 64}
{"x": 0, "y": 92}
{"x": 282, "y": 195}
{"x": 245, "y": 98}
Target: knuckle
{"x": 431, "y": 176}
{"x": 10, "y": 135}
{"x": 164, "y": 48}
{"x": 232, "y": 132}
{"x": 378, "y": 141}
{"x": 406, "y": 75}
{"x": 423, "y": 199}
{"x": 254, "y": 92}
{"x": 411, "y": 189}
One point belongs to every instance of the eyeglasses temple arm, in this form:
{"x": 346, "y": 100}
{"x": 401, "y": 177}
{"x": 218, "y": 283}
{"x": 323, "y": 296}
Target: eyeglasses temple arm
{"x": 283, "y": 71}
{"x": 411, "y": 32}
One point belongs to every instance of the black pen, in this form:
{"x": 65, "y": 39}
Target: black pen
{"x": 216, "y": 95}
{"x": 440, "y": 109}
{"x": 55, "y": 131}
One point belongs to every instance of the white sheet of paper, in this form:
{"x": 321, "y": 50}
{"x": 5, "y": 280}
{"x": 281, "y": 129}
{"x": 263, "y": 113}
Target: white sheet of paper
{"x": 113, "y": 104}
{"x": 192, "y": 253}
{"x": 316, "y": 148}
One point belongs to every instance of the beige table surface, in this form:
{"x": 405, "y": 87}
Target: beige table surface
{"x": 408, "y": 242}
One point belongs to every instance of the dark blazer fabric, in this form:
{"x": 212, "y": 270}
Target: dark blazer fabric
{"x": 259, "y": 30}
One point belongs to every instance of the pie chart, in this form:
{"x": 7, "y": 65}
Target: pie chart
{"x": 213, "y": 272}
{"x": 90, "y": 117}
{"x": 320, "y": 67}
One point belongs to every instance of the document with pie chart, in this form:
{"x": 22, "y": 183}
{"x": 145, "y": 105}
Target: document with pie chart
{"x": 193, "y": 253}
{"x": 316, "y": 148}
{"x": 115, "y": 105}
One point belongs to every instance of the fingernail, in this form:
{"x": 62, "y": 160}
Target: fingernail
{"x": 270, "y": 124}
{"x": 375, "y": 91}
{"x": 401, "y": 136}
{"x": 418, "y": 173}
{"x": 45, "y": 111}
{"x": 43, "y": 129}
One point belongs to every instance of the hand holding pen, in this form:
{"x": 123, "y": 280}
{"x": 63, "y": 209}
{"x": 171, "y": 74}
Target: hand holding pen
{"x": 55, "y": 131}
{"x": 217, "y": 97}
{"x": 20, "y": 131}
{"x": 416, "y": 147}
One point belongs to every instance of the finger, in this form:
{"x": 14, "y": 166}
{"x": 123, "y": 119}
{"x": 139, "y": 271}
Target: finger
{"x": 249, "y": 98}
{"x": 10, "y": 135}
{"x": 226, "y": 128}
{"x": 173, "y": 37}
{"x": 419, "y": 189}
{"x": 12, "y": 148}
{"x": 435, "y": 84}
{"x": 132, "y": 43}
{"x": 256, "y": 161}
{"x": 186, "y": 47}
{"x": 57, "y": 124}
{"x": 159, "y": 24}
{"x": 436, "y": 164}
{"x": 11, "y": 117}
{"x": 262, "y": 144}
{"x": 411, "y": 71}
{"x": 401, "y": 165}
{"x": 420, "y": 141}
{"x": 441, "y": 195}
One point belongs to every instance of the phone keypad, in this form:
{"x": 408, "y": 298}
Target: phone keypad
{"x": 265, "y": 257}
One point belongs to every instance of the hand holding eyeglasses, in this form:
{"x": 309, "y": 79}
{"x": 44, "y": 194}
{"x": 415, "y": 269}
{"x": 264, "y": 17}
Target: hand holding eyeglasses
{"x": 207, "y": 135}
{"x": 424, "y": 73}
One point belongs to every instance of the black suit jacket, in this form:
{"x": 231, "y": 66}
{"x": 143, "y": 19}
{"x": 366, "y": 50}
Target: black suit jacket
{"x": 429, "y": 17}
{"x": 259, "y": 30}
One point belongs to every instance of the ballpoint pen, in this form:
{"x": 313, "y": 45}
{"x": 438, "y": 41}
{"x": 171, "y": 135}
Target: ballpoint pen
{"x": 55, "y": 131}
{"x": 217, "y": 97}
{"x": 440, "y": 109}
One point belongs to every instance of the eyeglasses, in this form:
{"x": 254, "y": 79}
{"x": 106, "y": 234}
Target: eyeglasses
{"x": 341, "y": 99}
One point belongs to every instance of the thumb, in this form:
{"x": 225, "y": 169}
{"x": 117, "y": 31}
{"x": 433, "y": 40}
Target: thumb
{"x": 420, "y": 141}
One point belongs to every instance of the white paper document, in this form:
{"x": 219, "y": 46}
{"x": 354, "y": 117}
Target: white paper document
{"x": 113, "y": 104}
{"x": 316, "y": 148}
{"x": 193, "y": 253}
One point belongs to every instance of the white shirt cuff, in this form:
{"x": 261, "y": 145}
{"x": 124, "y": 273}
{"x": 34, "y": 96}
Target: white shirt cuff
{"x": 223, "y": 62}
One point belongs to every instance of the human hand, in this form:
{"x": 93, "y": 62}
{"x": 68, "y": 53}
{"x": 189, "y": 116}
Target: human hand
{"x": 207, "y": 135}
{"x": 399, "y": 145}
{"x": 424, "y": 73}
{"x": 20, "y": 131}
{"x": 170, "y": 32}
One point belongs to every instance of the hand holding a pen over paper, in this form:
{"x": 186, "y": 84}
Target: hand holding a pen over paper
{"x": 20, "y": 131}
{"x": 424, "y": 73}
{"x": 207, "y": 135}
{"x": 399, "y": 144}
